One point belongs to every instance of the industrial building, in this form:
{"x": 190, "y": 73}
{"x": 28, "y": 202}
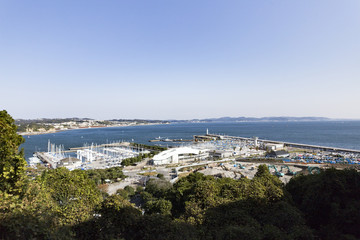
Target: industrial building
{"x": 177, "y": 155}
{"x": 278, "y": 154}
{"x": 274, "y": 146}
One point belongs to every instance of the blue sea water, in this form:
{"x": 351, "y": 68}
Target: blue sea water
{"x": 341, "y": 134}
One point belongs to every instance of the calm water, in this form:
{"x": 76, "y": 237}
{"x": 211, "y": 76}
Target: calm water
{"x": 333, "y": 134}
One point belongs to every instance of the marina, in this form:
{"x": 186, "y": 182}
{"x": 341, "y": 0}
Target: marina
{"x": 87, "y": 157}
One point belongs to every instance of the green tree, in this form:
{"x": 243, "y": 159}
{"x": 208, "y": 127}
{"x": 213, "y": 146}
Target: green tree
{"x": 123, "y": 193}
{"x": 330, "y": 202}
{"x": 161, "y": 176}
{"x": 161, "y": 206}
{"x": 271, "y": 186}
{"x": 75, "y": 194}
{"x": 161, "y": 227}
{"x": 31, "y": 216}
{"x": 99, "y": 175}
{"x": 117, "y": 216}
{"x": 116, "y": 219}
{"x": 130, "y": 190}
{"x": 12, "y": 162}
{"x": 183, "y": 189}
{"x": 158, "y": 187}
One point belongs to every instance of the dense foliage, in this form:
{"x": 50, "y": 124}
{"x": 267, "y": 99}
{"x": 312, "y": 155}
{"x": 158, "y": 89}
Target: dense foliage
{"x": 330, "y": 202}
{"x": 100, "y": 175}
{"x": 63, "y": 204}
{"x": 51, "y": 204}
{"x": 149, "y": 147}
{"x": 12, "y": 162}
{"x": 153, "y": 150}
{"x": 133, "y": 160}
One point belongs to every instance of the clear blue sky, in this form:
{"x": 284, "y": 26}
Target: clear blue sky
{"x": 180, "y": 59}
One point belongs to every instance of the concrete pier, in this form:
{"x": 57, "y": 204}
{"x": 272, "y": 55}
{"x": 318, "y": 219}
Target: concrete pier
{"x": 120, "y": 144}
{"x": 45, "y": 159}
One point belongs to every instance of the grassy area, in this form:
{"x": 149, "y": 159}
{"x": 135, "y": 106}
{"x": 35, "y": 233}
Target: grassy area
{"x": 181, "y": 175}
{"x": 149, "y": 174}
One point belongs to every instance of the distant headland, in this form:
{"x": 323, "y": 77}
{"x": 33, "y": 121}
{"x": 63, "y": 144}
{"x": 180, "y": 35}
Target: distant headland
{"x": 52, "y": 125}
{"x": 254, "y": 119}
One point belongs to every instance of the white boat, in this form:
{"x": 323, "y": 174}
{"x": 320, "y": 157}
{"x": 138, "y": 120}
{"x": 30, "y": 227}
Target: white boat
{"x": 34, "y": 161}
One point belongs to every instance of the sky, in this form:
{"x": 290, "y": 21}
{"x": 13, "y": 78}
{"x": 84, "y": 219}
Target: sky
{"x": 184, "y": 59}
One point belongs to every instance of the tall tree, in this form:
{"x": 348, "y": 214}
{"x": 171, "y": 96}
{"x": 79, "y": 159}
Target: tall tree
{"x": 330, "y": 202}
{"x": 75, "y": 194}
{"x": 12, "y": 162}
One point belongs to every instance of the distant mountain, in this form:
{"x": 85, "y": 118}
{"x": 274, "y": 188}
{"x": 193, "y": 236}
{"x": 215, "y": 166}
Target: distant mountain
{"x": 252, "y": 119}
{"x": 139, "y": 120}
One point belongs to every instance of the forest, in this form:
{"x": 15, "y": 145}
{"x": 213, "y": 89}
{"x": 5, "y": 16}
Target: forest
{"x": 63, "y": 204}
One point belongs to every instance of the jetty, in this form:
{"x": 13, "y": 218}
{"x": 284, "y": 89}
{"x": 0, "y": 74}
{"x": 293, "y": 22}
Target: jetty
{"x": 115, "y": 144}
{"x": 46, "y": 159}
{"x": 170, "y": 140}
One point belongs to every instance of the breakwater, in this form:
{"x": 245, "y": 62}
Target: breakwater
{"x": 286, "y": 144}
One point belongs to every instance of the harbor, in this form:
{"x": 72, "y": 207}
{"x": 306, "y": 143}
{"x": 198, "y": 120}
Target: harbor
{"x": 286, "y": 144}
{"x": 201, "y": 147}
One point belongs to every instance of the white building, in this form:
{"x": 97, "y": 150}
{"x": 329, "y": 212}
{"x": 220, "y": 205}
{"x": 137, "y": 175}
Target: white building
{"x": 274, "y": 146}
{"x": 70, "y": 163}
{"x": 222, "y": 153}
{"x": 175, "y": 155}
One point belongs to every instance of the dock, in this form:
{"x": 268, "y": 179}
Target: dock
{"x": 45, "y": 159}
{"x": 116, "y": 144}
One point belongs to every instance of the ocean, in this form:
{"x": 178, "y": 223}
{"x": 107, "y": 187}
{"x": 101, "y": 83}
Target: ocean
{"x": 341, "y": 134}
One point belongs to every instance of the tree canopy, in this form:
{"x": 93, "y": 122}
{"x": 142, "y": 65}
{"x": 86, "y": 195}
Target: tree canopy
{"x": 12, "y": 162}
{"x": 330, "y": 202}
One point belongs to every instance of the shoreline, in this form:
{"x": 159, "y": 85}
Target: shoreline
{"x": 64, "y": 130}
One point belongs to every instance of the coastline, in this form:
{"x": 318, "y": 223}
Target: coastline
{"x": 69, "y": 129}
